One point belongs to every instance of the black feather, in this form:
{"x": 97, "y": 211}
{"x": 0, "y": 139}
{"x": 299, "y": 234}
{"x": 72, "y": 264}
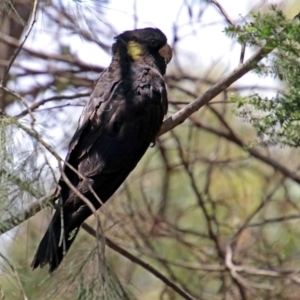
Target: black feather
{"x": 117, "y": 125}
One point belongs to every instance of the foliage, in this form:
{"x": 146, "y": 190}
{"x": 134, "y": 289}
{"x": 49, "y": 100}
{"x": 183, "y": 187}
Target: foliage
{"x": 276, "y": 118}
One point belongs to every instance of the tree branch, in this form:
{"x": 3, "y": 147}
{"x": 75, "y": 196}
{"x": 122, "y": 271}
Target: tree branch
{"x": 29, "y": 212}
{"x": 139, "y": 262}
{"x": 181, "y": 115}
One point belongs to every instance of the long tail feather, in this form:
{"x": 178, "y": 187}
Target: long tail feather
{"x": 55, "y": 243}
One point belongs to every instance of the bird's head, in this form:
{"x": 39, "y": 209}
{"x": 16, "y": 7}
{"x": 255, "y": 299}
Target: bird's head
{"x": 141, "y": 44}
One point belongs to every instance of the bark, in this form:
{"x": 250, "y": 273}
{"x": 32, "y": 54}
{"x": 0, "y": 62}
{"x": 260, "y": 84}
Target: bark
{"x": 14, "y": 16}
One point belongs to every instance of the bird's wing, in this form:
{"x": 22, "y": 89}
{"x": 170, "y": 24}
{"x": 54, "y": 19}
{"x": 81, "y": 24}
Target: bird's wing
{"x": 123, "y": 125}
{"x": 118, "y": 123}
{"x": 102, "y": 93}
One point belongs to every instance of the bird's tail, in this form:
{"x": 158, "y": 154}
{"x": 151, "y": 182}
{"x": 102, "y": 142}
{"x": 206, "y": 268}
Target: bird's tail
{"x": 55, "y": 243}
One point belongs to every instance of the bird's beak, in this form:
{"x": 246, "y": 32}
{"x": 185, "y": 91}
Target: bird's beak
{"x": 166, "y": 53}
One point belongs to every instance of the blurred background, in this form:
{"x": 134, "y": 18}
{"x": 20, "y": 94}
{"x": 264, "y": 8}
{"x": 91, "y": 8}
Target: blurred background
{"x": 212, "y": 207}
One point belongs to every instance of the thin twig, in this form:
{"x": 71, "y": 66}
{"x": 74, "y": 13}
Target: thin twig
{"x": 52, "y": 56}
{"x": 243, "y": 51}
{"x": 254, "y": 152}
{"x": 224, "y": 13}
{"x": 232, "y": 23}
{"x": 16, "y": 275}
{"x": 141, "y": 263}
{"x": 28, "y": 109}
{"x": 275, "y": 220}
{"x": 37, "y": 104}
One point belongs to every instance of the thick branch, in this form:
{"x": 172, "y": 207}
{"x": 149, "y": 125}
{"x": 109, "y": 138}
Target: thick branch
{"x": 215, "y": 90}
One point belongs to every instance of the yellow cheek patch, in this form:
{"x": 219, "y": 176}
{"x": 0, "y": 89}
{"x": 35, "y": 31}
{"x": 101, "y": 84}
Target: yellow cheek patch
{"x": 135, "y": 50}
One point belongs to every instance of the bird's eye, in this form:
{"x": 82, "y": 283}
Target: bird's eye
{"x": 153, "y": 43}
